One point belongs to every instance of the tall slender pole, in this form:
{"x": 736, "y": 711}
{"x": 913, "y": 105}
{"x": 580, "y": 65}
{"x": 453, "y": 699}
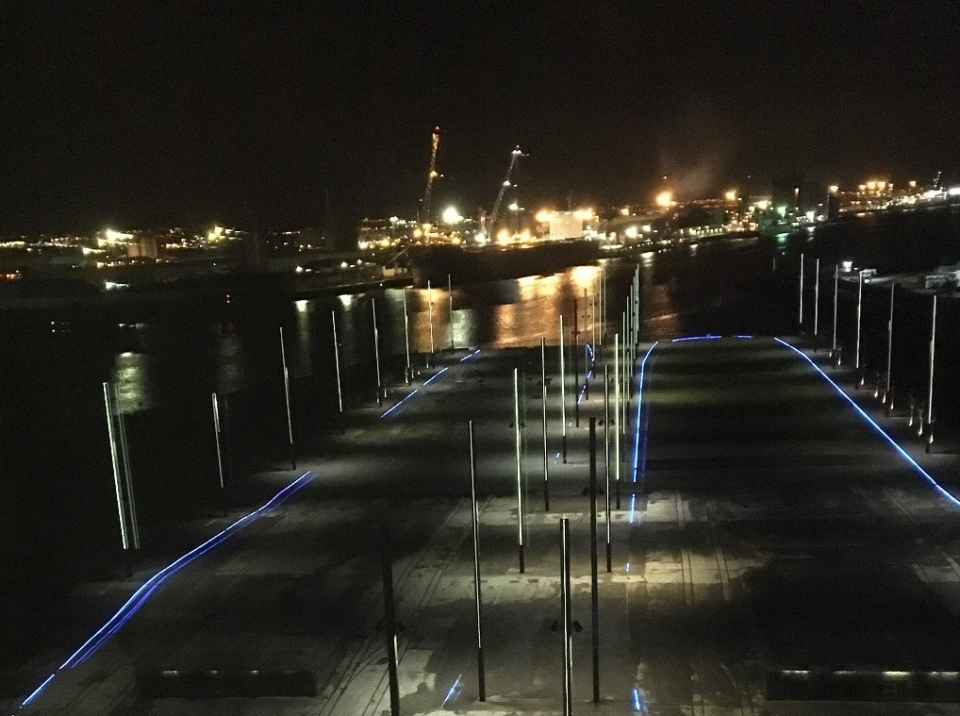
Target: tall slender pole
{"x": 563, "y": 397}
{"x": 856, "y": 359}
{"x": 517, "y": 444}
{"x": 836, "y": 294}
{"x": 593, "y": 321}
{"x": 594, "y": 587}
{"x": 887, "y": 398}
{"x": 408, "y": 374}
{"x": 603, "y": 304}
{"x": 286, "y": 392}
{"x": 475, "y": 517}
{"x": 543, "y": 401}
{"x": 128, "y": 475}
{"x": 336, "y": 360}
{"x": 376, "y": 352}
{"x": 430, "y": 310}
{"x": 566, "y": 611}
{"x": 576, "y": 368}
{"x": 933, "y": 346}
{"x": 606, "y": 461}
{"x": 616, "y": 419}
{"x": 216, "y": 435}
{"x": 801, "y": 294}
{"x": 450, "y": 307}
{"x": 121, "y": 512}
{"x": 390, "y": 620}
{"x": 816, "y": 301}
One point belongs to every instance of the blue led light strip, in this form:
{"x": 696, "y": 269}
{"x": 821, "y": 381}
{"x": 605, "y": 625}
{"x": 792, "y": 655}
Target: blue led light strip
{"x": 139, "y": 597}
{"x": 636, "y": 434}
{"x": 386, "y": 413}
{"x": 708, "y": 337}
{"x": 436, "y": 375}
{"x": 469, "y": 356}
{"x": 903, "y": 453}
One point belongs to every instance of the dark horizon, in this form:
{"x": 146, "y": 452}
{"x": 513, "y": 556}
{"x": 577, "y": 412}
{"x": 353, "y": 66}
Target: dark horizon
{"x": 169, "y": 113}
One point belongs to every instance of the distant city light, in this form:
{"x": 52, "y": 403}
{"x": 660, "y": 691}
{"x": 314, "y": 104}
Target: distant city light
{"x": 631, "y": 232}
{"x": 953, "y": 191}
{"x": 625, "y": 211}
{"x": 834, "y": 188}
{"x": 584, "y": 214}
{"x": 665, "y": 199}
{"x": 544, "y": 215}
{"x": 730, "y": 195}
{"x": 763, "y": 204}
{"x": 514, "y": 207}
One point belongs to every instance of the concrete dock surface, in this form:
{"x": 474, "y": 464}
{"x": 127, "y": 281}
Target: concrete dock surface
{"x": 776, "y": 555}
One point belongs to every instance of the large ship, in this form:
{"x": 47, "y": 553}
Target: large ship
{"x": 464, "y": 265}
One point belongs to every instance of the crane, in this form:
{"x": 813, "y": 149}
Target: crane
{"x": 431, "y": 175}
{"x": 514, "y": 157}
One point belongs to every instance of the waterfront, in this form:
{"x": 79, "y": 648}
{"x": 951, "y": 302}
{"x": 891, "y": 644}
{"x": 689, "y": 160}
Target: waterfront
{"x": 59, "y": 523}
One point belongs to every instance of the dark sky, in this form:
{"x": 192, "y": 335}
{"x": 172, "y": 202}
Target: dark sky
{"x": 142, "y": 112}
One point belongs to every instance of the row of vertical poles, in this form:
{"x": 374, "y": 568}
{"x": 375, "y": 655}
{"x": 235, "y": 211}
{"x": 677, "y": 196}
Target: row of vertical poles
{"x": 886, "y": 395}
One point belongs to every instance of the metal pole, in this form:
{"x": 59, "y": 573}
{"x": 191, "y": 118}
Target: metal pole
{"x": 121, "y": 513}
{"x": 563, "y": 397}
{"x": 376, "y": 351}
{"x": 430, "y": 309}
{"x": 516, "y": 432}
{"x": 801, "y": 293}
{"x": 836, "y": 288}
{"x": 216, "y": 434}
{"x": 576, "y": 368}
{"x": 933, "y": 346}
{"x": 450, "y": 305}
{"x": 286, "y": 392}
{"x": 543, "y": 400}
{"x": 816, "y": 301}
{"x": 475, "y": 516}
{"x": 603, "y": 307}
{"x": 616, "y": 419}
{"x": 594, "y": 588}
{"x": 390, "y": 620}
{"x": 606, "y": 461}
{"x": 566, "y": 616}
{"x": 336, "y": 360}
{"x": 856, "y": 359}
{"x": 886, "y": 395}
{"x": 128, "y": 475}
{"x": 406, "y": 337}
{"x": 593, "y": 321}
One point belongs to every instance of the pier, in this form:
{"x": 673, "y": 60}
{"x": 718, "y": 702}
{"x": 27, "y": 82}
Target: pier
{"x": 778, "y": 545}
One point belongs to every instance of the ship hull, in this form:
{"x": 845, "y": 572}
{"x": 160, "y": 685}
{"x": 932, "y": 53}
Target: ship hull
{"x": 466, "y": 266}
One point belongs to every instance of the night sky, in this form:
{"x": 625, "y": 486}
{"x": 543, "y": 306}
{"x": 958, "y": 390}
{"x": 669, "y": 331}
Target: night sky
{"x": 160, "y": 113}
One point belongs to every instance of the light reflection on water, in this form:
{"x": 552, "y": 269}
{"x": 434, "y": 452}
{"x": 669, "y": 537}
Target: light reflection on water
{"x": 680, "y": 291}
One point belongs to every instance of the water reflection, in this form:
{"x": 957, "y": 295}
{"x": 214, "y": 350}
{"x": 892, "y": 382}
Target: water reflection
{"x": 681, "y": 291}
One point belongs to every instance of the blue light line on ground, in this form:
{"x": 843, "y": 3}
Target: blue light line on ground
{"x": 584, "y": 388}
{"x": 903, "y": 453}
{"x": 436, "y": 375}
{"x": 742, "y": 336}
{"x": 139, "y": 597}
{"x": 469, "y": 356}
{"x": 388, "y": 411}
{"x": 452, "y": 689}
{"x": 708, "y": 337}
{"x": 636, "y": 435}
{"x": 36, "y": 692}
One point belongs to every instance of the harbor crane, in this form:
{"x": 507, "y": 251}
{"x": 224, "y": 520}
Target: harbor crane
{"x": 514, "y": 158}
{"x": 431, "y": 175}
